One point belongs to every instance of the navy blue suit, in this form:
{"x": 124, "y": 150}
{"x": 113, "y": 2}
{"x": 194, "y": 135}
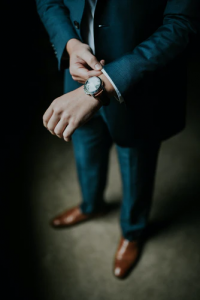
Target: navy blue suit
{"x": 144, "y": 44}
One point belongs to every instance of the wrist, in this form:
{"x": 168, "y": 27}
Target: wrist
{"x": 95, "y": 100}
{"x": 95, "y": 87}
{"x": 108, "y": 86}
{"x": 71, "y": 44}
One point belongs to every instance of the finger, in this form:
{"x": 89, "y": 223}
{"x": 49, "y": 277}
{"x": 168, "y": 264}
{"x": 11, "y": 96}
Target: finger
{"x": 53, "y": 122}
{"x": 47, "y": 115}
{"x": 103, "y": 62}
{"x": 84, "y": 73}
{"x": 93, "y": 73}
{"x": 76, "y": 78}
{"x": 91, "y": 60}
{"x": 79, "y": 79}
{"x": 71, "y": 127}
{"x": 60, "y": 127}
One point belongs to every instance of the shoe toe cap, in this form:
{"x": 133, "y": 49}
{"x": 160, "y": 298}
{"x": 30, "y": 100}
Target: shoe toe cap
{"x": 56, "y": 222}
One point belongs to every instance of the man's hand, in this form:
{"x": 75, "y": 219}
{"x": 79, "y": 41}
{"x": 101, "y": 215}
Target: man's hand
{"x": 68, "y": 112}
{"x": 83, "y": 64}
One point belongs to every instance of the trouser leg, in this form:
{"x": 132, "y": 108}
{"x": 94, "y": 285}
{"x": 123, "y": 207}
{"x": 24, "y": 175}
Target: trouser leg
{"x": 138, "y": 166}
{"x": 91, "y": 144}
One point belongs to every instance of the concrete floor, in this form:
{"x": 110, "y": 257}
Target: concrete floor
{"x": 77, "y": 263}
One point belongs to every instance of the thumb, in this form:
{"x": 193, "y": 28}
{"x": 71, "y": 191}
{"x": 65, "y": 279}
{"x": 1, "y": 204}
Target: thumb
{"x": 103, "y": 62}
{"x": 91, "y": 60}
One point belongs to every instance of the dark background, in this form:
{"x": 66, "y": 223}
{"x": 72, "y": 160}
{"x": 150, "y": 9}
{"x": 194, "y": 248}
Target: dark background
{"x": 29, "y": 68}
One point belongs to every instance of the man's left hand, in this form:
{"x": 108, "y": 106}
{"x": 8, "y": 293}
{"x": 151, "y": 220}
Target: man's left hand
{"x": 70, "y": 111}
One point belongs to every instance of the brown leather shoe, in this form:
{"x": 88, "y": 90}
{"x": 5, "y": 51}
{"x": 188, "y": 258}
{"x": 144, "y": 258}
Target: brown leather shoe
{"x": 126, "y": 257}
{"x": 71, "y": 217}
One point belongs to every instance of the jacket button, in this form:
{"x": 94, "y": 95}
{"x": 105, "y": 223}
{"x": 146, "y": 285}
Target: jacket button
{"x": 76, "y": 24}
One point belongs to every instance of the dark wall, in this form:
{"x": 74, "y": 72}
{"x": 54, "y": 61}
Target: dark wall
{"x": 26, "y": 55}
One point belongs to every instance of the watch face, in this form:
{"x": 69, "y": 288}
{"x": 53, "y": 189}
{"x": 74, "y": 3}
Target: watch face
{"x": 93, "y": 84}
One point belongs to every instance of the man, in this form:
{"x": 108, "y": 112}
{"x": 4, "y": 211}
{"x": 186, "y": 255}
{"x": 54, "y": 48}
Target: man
{"x": 125, "y": 83}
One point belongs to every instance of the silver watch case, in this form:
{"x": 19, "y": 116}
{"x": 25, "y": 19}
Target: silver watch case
{"x": 97, "y": 90}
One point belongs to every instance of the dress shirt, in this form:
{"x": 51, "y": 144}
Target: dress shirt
{"x": 88, "y": 35}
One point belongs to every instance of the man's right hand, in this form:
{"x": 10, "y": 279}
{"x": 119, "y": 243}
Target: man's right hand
{"x": 83, "y": 64}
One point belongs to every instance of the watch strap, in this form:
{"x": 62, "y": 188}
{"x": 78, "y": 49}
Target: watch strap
{"x": 103, "y": 96}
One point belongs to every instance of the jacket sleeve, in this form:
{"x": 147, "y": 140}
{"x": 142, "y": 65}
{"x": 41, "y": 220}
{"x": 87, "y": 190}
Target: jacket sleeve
{"x": 180, "y": 22}
{"x": 55, "y": 17}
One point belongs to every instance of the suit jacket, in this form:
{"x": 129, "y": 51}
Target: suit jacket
{"x": 144, "y": 44}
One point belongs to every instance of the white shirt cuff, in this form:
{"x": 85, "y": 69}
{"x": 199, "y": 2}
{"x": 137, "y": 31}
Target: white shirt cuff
{"x": 119, "y": 96}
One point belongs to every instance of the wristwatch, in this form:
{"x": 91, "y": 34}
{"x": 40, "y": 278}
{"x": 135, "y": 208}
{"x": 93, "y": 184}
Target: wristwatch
{"x": 94, "y": 86}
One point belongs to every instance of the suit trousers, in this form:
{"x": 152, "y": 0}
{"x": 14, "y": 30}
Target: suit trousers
{"x": 91, "y": 144}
